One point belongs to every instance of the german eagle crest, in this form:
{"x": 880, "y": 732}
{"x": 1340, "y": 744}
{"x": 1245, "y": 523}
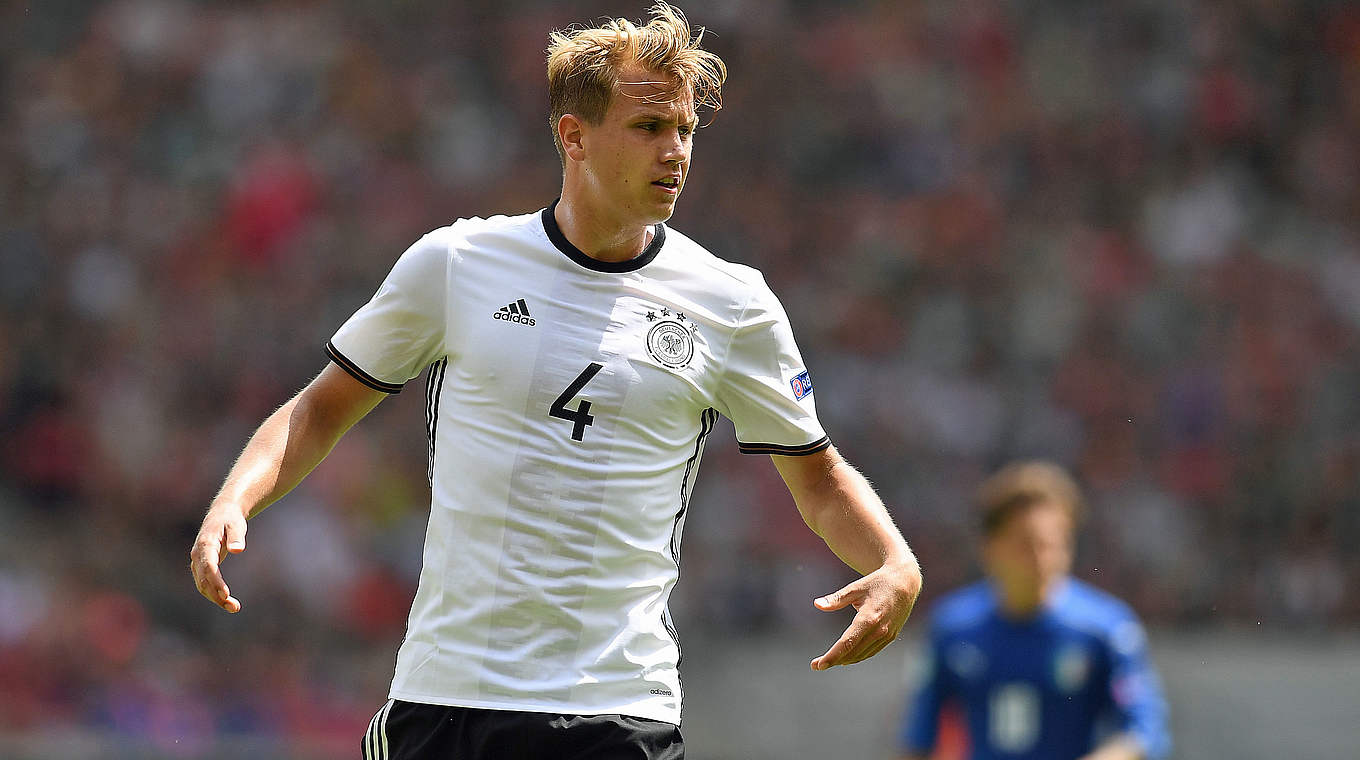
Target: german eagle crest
{"x": 670, "y": 340}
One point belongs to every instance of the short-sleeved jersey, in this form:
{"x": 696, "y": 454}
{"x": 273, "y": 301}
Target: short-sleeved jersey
{"x": 1048, "y": 688}
{"x": 567, "y": 405}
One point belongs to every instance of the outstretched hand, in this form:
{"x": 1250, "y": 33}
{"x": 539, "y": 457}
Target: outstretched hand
{"x": 223, "y": 532}
{"x": 883, "y": 601}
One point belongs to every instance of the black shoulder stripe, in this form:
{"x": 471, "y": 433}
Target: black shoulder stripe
{"x": 358, "y": 373}
{"x": 789, "y": 451}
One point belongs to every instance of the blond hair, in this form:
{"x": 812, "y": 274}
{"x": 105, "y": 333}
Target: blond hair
{"x": 584, "y": 65}
{"x": 1025, "y": 484}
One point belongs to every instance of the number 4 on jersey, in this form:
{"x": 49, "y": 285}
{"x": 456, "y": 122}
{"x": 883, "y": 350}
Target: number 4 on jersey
{"x": 581, "y": 414}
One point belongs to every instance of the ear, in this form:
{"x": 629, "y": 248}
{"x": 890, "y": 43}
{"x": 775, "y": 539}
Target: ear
{"x": 571, "y": 131}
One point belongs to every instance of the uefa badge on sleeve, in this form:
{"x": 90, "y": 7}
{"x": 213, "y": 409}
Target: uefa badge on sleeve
{"x": 802, "y": 385}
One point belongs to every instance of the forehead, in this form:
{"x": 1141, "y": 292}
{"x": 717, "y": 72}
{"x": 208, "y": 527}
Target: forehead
{"x": 643, "y": 90}
{"x": 1041, "y": 519}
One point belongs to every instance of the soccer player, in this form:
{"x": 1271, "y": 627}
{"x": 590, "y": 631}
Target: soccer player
{"x": 578, "y": 358}
{"x": 1040, "y": 665}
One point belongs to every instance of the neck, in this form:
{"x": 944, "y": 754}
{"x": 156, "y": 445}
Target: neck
{"x": 597, "y": 236}
{"x": 1024, "y": 602}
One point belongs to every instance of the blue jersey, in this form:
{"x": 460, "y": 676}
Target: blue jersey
{"x": 1051, "y": 686}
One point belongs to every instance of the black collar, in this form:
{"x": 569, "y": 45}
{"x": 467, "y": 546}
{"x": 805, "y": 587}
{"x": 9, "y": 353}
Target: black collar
{"x": 578, "y": 256}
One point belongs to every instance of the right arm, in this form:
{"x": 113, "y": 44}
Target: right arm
{"x": 287, "y": 446}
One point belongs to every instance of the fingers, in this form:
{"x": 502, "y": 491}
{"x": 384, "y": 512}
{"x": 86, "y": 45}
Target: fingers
{"x": 838, "y": 600}
{"x": 880, "y": 614}
{"x": 236, "y": 536}
{"x": 853, "y": 637}
{"x": 206, "y": 556}
{"x": 879, "y": 647}
{"x": 867, "y": 635}
{"x": 836, "y": 654}
{"x": 858, "y": 643}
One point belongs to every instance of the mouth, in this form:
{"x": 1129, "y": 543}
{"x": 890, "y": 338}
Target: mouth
{"x": 670, "y": 184}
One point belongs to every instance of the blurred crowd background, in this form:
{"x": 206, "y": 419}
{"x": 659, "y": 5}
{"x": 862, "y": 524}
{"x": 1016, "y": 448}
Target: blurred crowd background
{"x": 1123, "y": 235}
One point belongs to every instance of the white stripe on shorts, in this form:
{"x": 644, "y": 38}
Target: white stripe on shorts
{"x": 375, "y": 738}
{"x": 382, "y": 728}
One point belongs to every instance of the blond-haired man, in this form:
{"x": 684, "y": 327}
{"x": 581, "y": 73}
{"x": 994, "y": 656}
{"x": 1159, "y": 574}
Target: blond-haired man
{"x": 578, "y": 357}
{"x": 1041, "y": 666}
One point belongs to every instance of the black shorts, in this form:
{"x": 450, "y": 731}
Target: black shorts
{"x": 413, "y": 731}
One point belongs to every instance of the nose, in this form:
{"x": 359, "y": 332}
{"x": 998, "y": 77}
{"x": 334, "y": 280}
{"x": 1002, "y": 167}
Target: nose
{"x": 676, "y": 150}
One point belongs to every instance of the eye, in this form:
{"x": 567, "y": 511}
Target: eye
{"x": 686, "y": 130}
{"x": 650, "y": 126}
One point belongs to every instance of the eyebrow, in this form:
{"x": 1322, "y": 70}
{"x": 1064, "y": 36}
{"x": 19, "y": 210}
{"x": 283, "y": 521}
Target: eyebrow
{"x": 661, "y": 117}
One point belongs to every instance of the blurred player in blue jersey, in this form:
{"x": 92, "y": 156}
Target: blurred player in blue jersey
{"x": 1038, "y": 664}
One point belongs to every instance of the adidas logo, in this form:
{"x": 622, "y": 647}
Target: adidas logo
{"x": 517, "y": 312}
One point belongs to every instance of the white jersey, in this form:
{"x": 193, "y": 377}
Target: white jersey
{"x": 567, "y": 407}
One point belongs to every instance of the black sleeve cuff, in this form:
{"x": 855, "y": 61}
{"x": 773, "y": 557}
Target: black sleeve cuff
{"x": 788, "y": 451}
{"x": 357, "y": 373}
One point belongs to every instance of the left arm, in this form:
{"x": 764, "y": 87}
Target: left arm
{"x": 839, "y": 505}
{"x": 1135, "y": 693}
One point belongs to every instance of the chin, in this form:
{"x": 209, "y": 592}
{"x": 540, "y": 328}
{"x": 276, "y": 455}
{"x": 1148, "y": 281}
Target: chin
{"x": 667, "y": 210}
{"x": 648, "y": 211}
{"x": 656, "y": 214}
